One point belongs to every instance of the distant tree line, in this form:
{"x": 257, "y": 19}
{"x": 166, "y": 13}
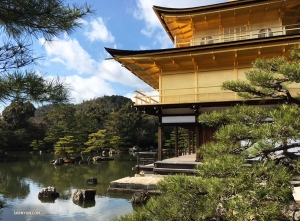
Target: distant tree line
{"x": 104, "y": 122}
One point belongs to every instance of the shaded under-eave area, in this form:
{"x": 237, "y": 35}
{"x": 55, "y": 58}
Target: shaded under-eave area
{"x": 148, "y": 65}
{"x": 197, "y": 108}
{"x": 201, "y": 107}
{"x": 198, "y": 134}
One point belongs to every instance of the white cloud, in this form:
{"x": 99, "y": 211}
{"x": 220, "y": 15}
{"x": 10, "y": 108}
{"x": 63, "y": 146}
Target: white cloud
{"x": 130, "y": 96}
{"x": 112, "y": 71}
{"x": 88, "y": 88}
{"x": 143, "y": 47}
{"x": 69, "y": 53}
{"x": 148, "y": 32}
{"x": 82, "y": 21}
{"x": 164, "y": 40}
{"x": 144, "y": 12}
{"x": 98, "y": 31}
{"x": 90, "y": 78}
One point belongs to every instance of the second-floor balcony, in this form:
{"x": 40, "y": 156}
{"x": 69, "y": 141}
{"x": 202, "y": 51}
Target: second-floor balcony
{"x": 188, "y": 95}
{"x": 237, "y": 34}
{"x": 182, "y": 95}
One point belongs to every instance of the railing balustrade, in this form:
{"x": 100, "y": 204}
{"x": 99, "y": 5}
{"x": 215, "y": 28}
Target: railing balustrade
{"x": 249, "y": 34}
{"x": 172, "y": 96}
{"x": 180, "y": 95}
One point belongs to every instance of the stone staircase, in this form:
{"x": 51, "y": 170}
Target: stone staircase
{"x": 173, "y": 167}
{"x": 183, "y": 164}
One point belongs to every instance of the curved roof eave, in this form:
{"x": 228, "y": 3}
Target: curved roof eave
{"x": 204, "y": 8}
{"x": 180, "y": 11}
{"x": 121, "y": 52}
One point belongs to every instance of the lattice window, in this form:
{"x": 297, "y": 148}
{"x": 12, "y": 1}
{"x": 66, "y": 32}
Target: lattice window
{"x": 265, "y": 33}
{"x": 207, "y": 40}
{"x": 235, "y": 34}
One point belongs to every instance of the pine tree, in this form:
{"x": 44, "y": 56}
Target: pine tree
{"x": 21, "y": 22}
{"x": 97, "y": 141}
{"x": 270, "y": 78}
{"x": 66, "y": 144}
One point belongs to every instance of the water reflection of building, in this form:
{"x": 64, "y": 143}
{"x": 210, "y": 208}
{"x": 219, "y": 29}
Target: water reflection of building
{"x": 212, "y": 44}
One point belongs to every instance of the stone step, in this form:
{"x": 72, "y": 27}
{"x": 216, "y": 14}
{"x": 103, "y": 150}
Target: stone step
{"x": 133, "y": 184}
{"x": 175, "y": 165}
{"x": 173, "y": 171}
{"x": 295, "y": 183}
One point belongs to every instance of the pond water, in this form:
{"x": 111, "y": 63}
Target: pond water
{"x": 25, "y": 174}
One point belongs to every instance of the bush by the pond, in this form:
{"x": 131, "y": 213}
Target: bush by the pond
{"x": 2, "y": 203}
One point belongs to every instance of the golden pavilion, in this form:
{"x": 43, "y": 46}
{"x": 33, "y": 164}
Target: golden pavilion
{"x": 212, "y": 44}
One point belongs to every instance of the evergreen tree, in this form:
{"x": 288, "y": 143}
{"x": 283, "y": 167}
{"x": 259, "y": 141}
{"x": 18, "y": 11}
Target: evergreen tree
{"x": 64, "y": 121}
{"x": 37, "y": 145}
{"x": 66, "y": 144}
{"x": 270, "y": 78}
{"x": 182, "y": 139}
{"x": 18, "y": 113}
{"x": 20, "y": 22}
{"x": 134, "y": 128}
{"x": 61, "y": 123}
{"x": 115, "y": 142}
{"x": 97, "y": 141}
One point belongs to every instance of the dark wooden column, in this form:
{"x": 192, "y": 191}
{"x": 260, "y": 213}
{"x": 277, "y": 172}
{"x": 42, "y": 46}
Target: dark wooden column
{"x": 193, "y": 142}
{"x": 176, "y": 141}
{"x": 189, "y": 142}
{"x": 159, "y": 142}
{"x": 197, "y": 129}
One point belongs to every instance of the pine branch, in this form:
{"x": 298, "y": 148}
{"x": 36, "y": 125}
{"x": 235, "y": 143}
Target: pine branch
{"x": 15, "y": 56}
{"x": 281, "y": 147}
{"x": 48, "y": 18}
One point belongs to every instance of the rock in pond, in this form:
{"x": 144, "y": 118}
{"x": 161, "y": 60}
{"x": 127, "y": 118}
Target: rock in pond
{"x": 82, "y": 195}
{"x": 59, "y": 161}
{"x": 48, "y": 192}
{"x": 3, "y": 154}
{"x": 97, "y": 159}
{"x": 140, "y": 197}
{"x": 91, "y": 181}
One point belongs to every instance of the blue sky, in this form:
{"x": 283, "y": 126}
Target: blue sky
{"x": 79, "y": 58}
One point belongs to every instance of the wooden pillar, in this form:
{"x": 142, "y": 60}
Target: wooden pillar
{"x": 189, "y": 142}
{"x": 197, "y": 142}
{"x": 159, "y": 142}
{"x": 176, "y": 141}
{"x": 193, "y": 142}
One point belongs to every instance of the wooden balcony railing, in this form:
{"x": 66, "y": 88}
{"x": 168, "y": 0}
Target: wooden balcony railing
{"x": 188, "y": 95}
{"x": 181, "y": 95}
{"x": 242, "y": 35}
